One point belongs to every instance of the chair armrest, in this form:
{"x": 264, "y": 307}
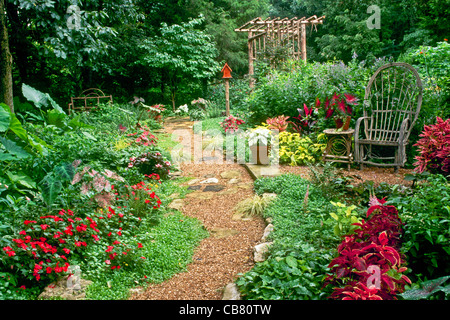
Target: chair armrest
{"x": 403, "y": 135}
{"x": 357, "y": 125}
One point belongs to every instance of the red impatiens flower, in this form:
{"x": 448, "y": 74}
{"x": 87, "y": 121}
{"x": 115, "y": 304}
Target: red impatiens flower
{"x": 9, "y": 251}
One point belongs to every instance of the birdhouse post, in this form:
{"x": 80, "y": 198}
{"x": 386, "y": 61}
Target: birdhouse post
{"x": 226, "y": 70}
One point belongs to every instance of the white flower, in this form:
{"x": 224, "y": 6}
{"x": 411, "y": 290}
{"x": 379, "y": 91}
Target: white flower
{"x": 184, "y": 108}
{"x": 260, "y": 135}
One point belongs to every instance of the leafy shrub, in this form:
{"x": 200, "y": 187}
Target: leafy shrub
{"x": 345, "y": 217}
{"x": 426, "y": 236}
{"x": 284, "y": 91}
{"x": 432, "y": 63}
{"x": 231, "y": 124}
{"x": 151, "y": 162}
{"x": 295, "y": 275}
{"x": 296, "y": 150}
{"x": 434, "y": 148}
{"x": 43, "y": 247}
{"x": 374, "y": 243}
{"x": 303, "y": 243}
{"x": 429, "y": 290}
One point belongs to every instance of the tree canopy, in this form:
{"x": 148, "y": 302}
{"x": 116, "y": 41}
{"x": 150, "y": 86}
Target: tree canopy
{"x": 149, "y": 48}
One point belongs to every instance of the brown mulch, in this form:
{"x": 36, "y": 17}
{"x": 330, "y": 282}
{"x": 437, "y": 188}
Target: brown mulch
{"x": 217, "y": 261}
{"x": 376, "y": 174}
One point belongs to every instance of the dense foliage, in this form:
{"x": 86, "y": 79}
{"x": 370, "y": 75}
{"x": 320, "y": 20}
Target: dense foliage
{"x": 92, "y": 195}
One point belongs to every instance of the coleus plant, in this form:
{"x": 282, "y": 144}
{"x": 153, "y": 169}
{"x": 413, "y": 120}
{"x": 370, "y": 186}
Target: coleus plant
{"x": 434, "y": 148}
{"x": 372, "y": 247}
{"x": 305, "y": 119}
{"x": 279, "y": 123}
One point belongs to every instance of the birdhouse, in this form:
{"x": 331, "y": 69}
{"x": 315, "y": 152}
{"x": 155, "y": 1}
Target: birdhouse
{"x": 226, "y": 70}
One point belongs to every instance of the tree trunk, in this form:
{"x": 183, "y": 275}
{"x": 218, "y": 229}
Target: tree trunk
{"x": 6, "y": 83}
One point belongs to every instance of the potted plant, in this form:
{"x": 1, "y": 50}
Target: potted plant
{"x": 259, "y": 142}
{"x": 341, "y": 108}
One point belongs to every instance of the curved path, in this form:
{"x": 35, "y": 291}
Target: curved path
{"x": 229, "y": 249}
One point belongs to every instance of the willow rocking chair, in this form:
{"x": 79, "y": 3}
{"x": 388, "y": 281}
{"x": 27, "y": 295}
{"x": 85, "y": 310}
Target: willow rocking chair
{"x": 391, "y": 107}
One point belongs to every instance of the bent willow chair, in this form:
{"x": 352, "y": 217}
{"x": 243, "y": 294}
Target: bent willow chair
{"x": 391, "y": 107}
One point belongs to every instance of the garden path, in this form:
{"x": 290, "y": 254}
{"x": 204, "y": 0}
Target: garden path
{"x": 228, "y": 250}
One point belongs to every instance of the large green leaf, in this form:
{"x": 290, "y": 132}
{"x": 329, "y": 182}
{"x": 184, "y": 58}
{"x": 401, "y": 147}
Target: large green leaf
{"x": 56, "y": 118}
{"x": 38, "y": 98}
{"x": 4, "y": 119}
{"x": 54, "y": 104}
{"x": 21, "y": 178}
{"x": 14, "y": 123}
{"x": 65, "y": 172}
{"x": 12, "y": 148}
{"x": 50, "y": 187}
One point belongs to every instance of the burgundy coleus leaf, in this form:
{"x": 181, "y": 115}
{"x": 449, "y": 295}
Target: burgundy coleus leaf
{"x": 360, "y": 264}
{"x": 341, "y": 272}
{"x": 351, "y": 99}
{"x": 329, "y": 112}
{"x": 372, "y": 209}
{"x": 383, "y": 239}
{"x": 342, "y": 106}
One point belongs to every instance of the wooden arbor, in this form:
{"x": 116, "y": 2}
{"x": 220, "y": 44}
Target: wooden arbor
{"x": 287, "y": 32}
{"x": 391, "y": 107}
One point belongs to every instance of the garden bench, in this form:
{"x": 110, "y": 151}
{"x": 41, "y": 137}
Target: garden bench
{"x": 90, "y": 98}
{"x": 392, "y": 104}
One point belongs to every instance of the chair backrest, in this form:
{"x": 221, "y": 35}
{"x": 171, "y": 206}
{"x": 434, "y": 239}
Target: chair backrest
{"x": 393, "y": 94}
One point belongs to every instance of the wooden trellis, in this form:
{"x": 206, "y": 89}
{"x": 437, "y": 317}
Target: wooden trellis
{"x": 275, "y": 31}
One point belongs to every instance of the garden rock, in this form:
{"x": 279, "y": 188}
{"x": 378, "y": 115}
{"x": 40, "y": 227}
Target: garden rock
{"x": 197, "y": 187}
{"x": 210, "y": 180}
{"x": 231, "y": 292}
{"x": 176, "y": 204}
{"x": 59, "y": 289}
{"x": 193, "y": 181}
{"x": 232, "y": 174}
{"x": 267, "y": 231}
{"x": 214, "y": 188}
{"x": 261, "y": 251}
{"x": 234, "y": 181}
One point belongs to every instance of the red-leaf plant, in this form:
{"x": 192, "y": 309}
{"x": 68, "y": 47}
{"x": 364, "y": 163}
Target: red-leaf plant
{"x": 374, "y": 243}
{"x": 434, "y": 148}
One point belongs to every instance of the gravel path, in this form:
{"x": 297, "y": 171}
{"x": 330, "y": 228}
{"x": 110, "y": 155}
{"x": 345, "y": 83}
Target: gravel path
{"x": 228, "y": 250}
